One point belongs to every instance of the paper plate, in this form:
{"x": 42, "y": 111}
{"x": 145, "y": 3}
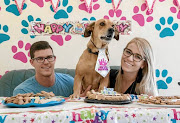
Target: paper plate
{"x": 32, "y": 104}
{"x": 107, "y": 101}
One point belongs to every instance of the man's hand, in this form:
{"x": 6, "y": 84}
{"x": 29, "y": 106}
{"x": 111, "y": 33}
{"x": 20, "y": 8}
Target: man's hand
{"x": 83, "y": 94}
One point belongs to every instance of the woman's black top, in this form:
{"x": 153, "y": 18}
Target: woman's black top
{"x": 131, "y": 89}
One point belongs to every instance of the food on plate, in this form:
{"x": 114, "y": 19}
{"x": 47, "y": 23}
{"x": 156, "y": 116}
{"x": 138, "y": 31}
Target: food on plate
{"x": 26, "y": 98}
{"x": 161, "y": 100}
{"x": 108, "y": 94}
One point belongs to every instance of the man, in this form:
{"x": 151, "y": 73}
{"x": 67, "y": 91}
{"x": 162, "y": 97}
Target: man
{"x": 45, "y": 79}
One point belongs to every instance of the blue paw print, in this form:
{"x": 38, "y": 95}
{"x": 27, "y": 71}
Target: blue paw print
{"x": 63, "y": 13}
{"x": 108, "y": 1}
{"x": 91, "y": 19}
{"x": 12, "y": 8}
{"x": 26, "y": 25}
{"x": 161, "y": 83}
{"x": 3, "y": 36}
{"x": 166, "y": 31}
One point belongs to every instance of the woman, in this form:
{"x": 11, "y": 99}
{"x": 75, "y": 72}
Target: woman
{"x": 136, "y": 75}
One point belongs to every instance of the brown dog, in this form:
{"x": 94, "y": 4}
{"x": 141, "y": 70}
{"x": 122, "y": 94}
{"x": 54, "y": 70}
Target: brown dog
{"x": 101, "y": 31}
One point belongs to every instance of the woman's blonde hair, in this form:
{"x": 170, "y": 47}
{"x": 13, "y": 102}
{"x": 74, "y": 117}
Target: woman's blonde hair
{"x": 147, "y": 84}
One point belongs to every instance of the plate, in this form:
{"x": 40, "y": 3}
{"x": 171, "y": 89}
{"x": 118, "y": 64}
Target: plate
{"x": 158, "y": 105}
{"x": 32, "y": 104}
{"x": 107, "y": 101}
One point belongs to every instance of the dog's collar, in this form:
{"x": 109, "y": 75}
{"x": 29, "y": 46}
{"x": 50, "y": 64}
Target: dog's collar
{"x": 90, "y": 51}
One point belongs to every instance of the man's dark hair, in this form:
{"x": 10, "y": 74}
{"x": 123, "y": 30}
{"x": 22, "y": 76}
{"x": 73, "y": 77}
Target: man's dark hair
{"x": 40, "y": 45}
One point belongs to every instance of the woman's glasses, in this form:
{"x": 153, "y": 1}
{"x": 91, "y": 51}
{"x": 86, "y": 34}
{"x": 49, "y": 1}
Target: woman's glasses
{"x": 136, "y": 57}
{"x": 50, "y": 58}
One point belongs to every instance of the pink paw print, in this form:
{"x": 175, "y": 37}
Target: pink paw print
{"x": 95, "y": 6}
{"x": 161, "y": 0}
{"x": 59, "y": 39}
{"x": 5, "y": 73}
{"x": 139, "y": 18}
{"x": 117, "y": 13}
{"x": 21, "y": 55}
{"x": 40, "y": 3}
{"x": 175, "y": 9}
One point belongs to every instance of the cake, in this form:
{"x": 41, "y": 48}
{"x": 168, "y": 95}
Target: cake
{"x": 108, "y": 94}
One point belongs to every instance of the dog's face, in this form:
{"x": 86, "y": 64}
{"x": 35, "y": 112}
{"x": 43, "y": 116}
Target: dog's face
{"x": 103, "y": 30}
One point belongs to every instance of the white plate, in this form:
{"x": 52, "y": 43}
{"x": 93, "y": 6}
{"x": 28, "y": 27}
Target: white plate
{"x": 158, "y": 105}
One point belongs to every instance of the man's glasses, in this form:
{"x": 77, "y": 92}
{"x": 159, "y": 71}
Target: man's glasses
{"x": 137, "y": 57}
{"x": 50, "y": 58}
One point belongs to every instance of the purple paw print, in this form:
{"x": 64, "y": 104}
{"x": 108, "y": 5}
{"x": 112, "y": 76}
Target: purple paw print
{"x": 118, "y": 14}
{"x": 19, "y": 55}
{"x": 175, "y": 10}
{"x": 59, "y": 39}
{"x": 139, "y": 18}
{"x": 95, "y": 6}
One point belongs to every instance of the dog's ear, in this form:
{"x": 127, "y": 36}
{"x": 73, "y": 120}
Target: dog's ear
{"x": 116, "y": 35}
{"x": 89, "y": 29}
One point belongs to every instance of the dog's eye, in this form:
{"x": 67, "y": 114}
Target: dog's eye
{"x": 112, "y": 26}
{"x": 102, "y": 24}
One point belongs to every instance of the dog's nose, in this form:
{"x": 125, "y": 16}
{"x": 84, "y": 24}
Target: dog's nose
{"x": 111, "y": 30}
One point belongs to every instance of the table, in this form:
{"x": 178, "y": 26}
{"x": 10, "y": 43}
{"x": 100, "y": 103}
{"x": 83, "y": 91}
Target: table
{"x": 77, "y": 111}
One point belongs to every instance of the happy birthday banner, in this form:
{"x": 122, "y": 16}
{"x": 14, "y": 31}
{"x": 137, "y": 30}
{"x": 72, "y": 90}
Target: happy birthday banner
{"x": 40, "y": 28}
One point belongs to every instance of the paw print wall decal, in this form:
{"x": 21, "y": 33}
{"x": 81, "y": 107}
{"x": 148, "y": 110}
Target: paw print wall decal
{"x": 63, "y": 13}
{"x": 3, "y": 36}
{"x": 59, "y": 39}
{"x": 163, "y": 82}
{"x": 91, "y": 19}
{"x": 19, "y": 54}
{"x": 95, "y": 6}
{"x": 140, "y": 18}
{"x": 112, "y": 14}
{"x": 12, "y": 8}
{"x": 25, "y": 25}
{"x": 169, "y": 29}
{"x": 175, "y": 9}
{"x": 40, "y": 3}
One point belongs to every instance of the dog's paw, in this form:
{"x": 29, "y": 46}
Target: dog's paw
{"x": 74, "y": 96}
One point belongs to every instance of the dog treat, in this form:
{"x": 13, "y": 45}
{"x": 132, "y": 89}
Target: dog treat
{"x": 110, "y": 96}
{"x": 20, "y": 100}
{"x": 37, "y": 99}
{"x": 26, "y": 98}
{"x": 161, "y": 100}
